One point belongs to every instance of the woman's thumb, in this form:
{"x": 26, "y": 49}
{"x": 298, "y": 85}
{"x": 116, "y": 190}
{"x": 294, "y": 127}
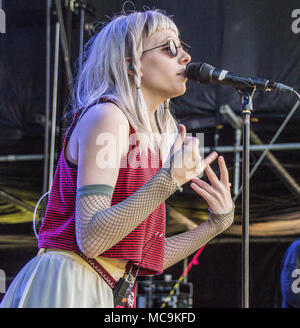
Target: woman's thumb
{"x": 181, "y": 132}
{"x": 179, "y": 139}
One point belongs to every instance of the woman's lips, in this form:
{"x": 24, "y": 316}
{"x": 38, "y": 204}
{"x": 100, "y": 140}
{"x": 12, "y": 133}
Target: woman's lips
{"x": 182, "y": 75}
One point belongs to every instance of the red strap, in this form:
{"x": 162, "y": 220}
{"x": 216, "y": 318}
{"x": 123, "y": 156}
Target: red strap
{"x": 100, "y": 270}
{"x": 131, "y": 300}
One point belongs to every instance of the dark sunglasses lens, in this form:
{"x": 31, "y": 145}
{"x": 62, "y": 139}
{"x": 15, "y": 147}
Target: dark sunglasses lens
{"x": 173, "y": 48}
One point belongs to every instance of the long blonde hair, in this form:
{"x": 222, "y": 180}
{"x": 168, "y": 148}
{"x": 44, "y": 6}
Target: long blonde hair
{"x": 104, "y": 74}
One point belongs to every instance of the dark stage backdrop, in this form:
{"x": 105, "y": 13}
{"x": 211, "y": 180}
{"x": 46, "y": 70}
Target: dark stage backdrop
{"x": 251, "y": 38}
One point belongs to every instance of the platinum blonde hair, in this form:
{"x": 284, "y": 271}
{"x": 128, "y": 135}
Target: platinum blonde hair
{"x": 104, "y": 74}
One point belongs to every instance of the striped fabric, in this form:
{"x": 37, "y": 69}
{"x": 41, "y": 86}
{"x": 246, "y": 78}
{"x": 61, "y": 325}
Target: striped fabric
{"x": 144, "y": 246}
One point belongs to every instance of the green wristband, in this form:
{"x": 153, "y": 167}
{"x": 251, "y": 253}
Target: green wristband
{"x": 95, "y": 189}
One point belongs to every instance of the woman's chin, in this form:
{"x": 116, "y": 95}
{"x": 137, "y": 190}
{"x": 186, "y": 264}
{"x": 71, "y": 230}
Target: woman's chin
{"x": 180, "y": 91}
{"x": 176, "y": 92}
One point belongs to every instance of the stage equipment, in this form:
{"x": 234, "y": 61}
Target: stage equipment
{"x": 168, "y": 293}
{"x": 80, "y": 7}
{"x": 152, "y": 293}
{"x": 77, "y": 7}
{"x": 283, "y": 174}
{"x": 47, "y": 97}
{"x": 245, "y": 87}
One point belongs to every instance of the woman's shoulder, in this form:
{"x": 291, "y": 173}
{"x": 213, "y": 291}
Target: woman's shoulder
{"x": 102, "y": 121}
{"x": 103, "y": 117}
{"x": 106, "y": 112}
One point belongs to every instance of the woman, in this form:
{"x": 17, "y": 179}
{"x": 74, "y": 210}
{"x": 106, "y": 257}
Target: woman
{"x": 123, "y": 156}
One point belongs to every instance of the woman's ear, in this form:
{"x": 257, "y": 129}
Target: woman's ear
{"x": 130, "y": 69}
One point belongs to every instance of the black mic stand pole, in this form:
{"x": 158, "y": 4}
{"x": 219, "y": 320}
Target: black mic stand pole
{"x": 246, "y": 115}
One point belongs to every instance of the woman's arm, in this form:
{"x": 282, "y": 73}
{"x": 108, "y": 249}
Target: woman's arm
{"x": 103, "y": 138}
{"x": 218, "y": 197}
{"x": 99, "y": 226}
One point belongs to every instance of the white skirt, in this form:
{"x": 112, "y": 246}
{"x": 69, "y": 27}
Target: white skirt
{"x": 60, "y": 279}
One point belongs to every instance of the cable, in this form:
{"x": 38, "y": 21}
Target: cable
{"x": 34, "y": 213}
{"x": 157, "y": 235}
{"x": 124, "y": 285}
{"x": 179, "y": 281}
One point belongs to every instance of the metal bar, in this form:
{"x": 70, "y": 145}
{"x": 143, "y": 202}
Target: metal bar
{"x": 274, "y": 138}
{"x": 245, "y": 206}
{"x": 237, "y": 159}
{"x": 15, "y": 158}
{"x": 54, "y": 105}
{"x": 47, "y": 97}
{"x": 253, "y": 240}
{"x": 280, "y": 170}
{"x": 64, "y": 44}
{"x": 232, "y": 149}
{"x": 16, "y": 201}
{"x": 284, "y": 175}
{"x": 220, "y": 149}
{"x": 81, "y": 37}
{"x": 185, "y": 265}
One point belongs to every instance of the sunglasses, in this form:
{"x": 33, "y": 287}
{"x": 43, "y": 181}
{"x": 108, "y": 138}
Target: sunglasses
{"x": 173, "y": 47}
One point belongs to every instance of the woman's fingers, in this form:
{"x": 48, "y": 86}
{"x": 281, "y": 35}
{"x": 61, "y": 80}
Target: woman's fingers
{"x": 211, "y": 176}
{"x": 202, "y": 192}
{"x": 224, "y": 176}
{"x": 204, "y": 185}
{"x": 217, "y": 193}
{"x": 210, "y": 158}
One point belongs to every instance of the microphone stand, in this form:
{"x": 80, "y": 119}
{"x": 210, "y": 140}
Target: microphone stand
{"x": 246, "y": 109}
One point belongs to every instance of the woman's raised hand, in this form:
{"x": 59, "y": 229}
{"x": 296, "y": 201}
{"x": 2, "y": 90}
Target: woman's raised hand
{"x": 185, "y": 160}
{"x": 217, "y": 193}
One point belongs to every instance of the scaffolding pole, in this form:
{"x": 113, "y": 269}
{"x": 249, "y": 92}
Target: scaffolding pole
{"x": 284, "y": 175}
{"x": 220, "y": 149}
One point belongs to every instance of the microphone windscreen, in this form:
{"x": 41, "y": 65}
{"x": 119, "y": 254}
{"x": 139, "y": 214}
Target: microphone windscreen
{"x": 199, "y": 72}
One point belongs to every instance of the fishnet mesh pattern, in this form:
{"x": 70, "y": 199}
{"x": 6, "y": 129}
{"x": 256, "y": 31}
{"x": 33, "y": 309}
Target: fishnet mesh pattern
{"x": 182, "y": 245}
{"x": 99, "y": 226}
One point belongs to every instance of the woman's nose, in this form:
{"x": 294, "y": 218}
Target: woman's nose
{"x": 185, "y": 58}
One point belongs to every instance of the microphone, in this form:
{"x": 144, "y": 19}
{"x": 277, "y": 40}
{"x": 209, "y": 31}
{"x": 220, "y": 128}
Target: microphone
{"x": 205, "y": 73}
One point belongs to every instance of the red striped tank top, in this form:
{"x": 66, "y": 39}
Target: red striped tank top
{"x": 144, "y": 246}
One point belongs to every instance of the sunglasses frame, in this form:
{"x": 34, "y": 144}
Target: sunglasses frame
{"x": 174, "y": 54}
